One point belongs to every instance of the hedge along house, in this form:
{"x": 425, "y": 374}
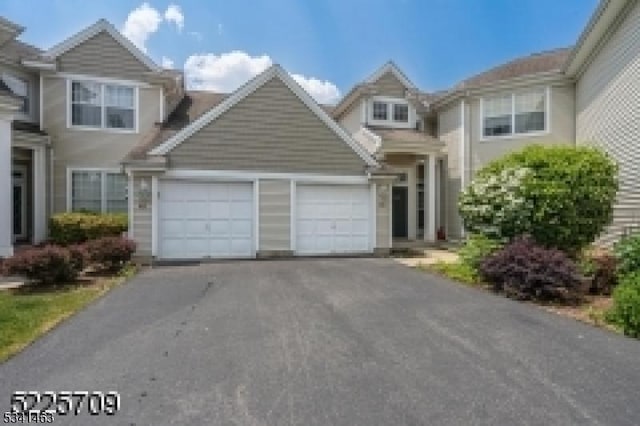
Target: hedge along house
{"x": 261, "y": 172}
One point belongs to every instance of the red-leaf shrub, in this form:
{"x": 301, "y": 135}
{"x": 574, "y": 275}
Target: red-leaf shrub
{"x": 110, "y": 254}
{"x": 524, "y": 270}
{"x": 43, "y": 265}
{"x": 79, "y": 256}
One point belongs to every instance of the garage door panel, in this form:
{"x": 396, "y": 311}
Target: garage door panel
{"x": 332, "y": 219}
{"x": 205, "y": 219}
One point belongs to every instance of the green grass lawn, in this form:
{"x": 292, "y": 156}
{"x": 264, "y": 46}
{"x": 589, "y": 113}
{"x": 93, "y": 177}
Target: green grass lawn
{"x": 25, "y": 315}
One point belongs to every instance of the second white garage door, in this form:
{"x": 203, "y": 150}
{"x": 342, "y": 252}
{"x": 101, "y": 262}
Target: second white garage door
{"x": 333, "y": 219}
{"x": 205, "y": 219}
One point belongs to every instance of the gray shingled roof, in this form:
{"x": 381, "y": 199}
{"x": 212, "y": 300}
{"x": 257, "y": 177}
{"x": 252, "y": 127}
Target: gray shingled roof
{"x": 552, "y": 60}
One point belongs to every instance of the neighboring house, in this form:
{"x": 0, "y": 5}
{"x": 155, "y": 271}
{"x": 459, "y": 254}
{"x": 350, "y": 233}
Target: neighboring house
{"x": 93, "y": 124}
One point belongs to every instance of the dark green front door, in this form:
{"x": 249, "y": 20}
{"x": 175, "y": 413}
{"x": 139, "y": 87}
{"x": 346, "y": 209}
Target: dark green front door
{"x": 400, "y": 211}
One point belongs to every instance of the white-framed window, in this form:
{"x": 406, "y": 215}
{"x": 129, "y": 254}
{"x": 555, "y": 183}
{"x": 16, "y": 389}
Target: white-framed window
{"x": 96, "y": 190}
{"x": 380, "y": 111}
{"x": 400, "y": 113}
{"x": 514, "y": 114}
{"x": 391, "y": 112}
{"x": 95, "y": 105}
{"x": 19, "y": 87}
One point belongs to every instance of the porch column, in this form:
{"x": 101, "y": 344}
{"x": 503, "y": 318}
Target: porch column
{"x": 6, "y": 186}
{"x": 430, "y": 198}
{"x": 39, "y": 195}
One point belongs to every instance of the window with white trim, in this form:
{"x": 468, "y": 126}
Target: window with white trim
{"x": 103, "y": 106}
{"x": 98, "y": 191}
{"x": 401, "y": 113}
{"x": 19, "y": 87}
{"x": 380, "y": 111}
{"x": 514, "y": 114}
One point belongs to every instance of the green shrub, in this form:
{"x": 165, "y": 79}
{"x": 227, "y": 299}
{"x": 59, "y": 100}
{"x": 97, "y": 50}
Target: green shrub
{"x": 110, "y": 254}
{"x": 45, "y": 265}
{"x": 72, "y": 228}
{"x": 626, "y": 305}
{"x": 476, "y": 248}
{"x": 458, "y": 271}
{"x": 562, "y": 196}
{"x": 627, "y": 251}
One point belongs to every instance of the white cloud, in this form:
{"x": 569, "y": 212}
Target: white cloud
{"x": 167, "y": 62}
{"x": 323, "y": 91}
{"x": 228, "y": 71}
{"x": 174, "y": 14}
{"x": 140, "y": 24}
{"x": 225, "y": 72}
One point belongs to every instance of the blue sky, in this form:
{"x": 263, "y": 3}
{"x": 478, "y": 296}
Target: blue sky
{"x": 328, "y": 45}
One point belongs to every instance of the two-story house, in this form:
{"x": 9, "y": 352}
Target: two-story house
{"x": 93, "y": 124}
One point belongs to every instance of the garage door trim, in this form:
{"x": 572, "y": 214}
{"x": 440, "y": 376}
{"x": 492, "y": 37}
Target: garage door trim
{"x": 372, "y": 229}
{"x": 155, "y": 205}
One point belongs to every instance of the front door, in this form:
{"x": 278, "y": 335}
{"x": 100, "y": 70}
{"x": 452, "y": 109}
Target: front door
{"x": 400, "y": 211}
{"x": 19, "y": 180}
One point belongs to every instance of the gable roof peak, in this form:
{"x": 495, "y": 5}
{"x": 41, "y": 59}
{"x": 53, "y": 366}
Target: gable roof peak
{"x": 102, "y": 25}
{"x": 391, "y": 67}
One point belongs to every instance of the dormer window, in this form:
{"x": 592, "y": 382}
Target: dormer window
{"x": 401, "y": 113}
{"x": 19, "y": 87}
{"x": 391, "y": 112}
{"x": 380, "y": 111}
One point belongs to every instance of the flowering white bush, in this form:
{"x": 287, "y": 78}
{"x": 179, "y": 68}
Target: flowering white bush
{"x": 495, "y": 205}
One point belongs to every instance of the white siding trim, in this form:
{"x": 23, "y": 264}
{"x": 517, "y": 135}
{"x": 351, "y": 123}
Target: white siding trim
{"x": 275, "y": 71}
{"x": 102, "y": 80}
{"x": 130, "y": 195}
{"x": 240, "y": 175}
{"x": 462, "y": 153}
{"x": 161, "y": 105}
{"x": 40, "y": 103}
{"x": 292, "y": 214}
{"x": 373, "y": 191}
{"x": 256, "y": 216}
{"x": 154, "y": 216}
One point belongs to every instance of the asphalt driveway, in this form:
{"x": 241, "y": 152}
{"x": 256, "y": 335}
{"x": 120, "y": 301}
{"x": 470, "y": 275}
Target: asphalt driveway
{"x": 329, "y": 342}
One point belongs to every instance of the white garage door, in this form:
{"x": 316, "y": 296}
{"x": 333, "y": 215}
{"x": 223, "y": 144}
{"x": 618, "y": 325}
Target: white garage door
{"x": 332, "y": 219}
{"x": 198, "y": 219}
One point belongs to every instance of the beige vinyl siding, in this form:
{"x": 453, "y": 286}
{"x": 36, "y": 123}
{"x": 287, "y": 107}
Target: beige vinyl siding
{"x": 275, "y": 215}
{"x": 88, "y": 148}
{"x": 101, "y": 55}
{"x": 449, "y": 132}
{"x": 383, "y": 215}
{"x": 30, "y": 138}
{"x": 352, "y": 119}
{"x": 142, "y": 219}
{"x": 562, "y": 130}
{"x": 608, "y": 113}
{"x": 389, "y": 85}
{"x": 270, "y": 130}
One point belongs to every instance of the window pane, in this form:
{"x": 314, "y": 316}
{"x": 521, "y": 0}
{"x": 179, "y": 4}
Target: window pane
{"x": 497, "y": 126}
{"x": 401, "y": 113}
{"x": 530, "y": 102}
{"x": 116, "y": 193}
{"x": 118, "y": 96}
{"x": 530, "y": 122}
{"x": 497, "y": 107}
{"x": 380, "y": 111}
{"x": 85, "y": 92}
{"x": 86, "y": 115}
{"x": 118, "y": 118}
{"x": 86, "y": 191}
